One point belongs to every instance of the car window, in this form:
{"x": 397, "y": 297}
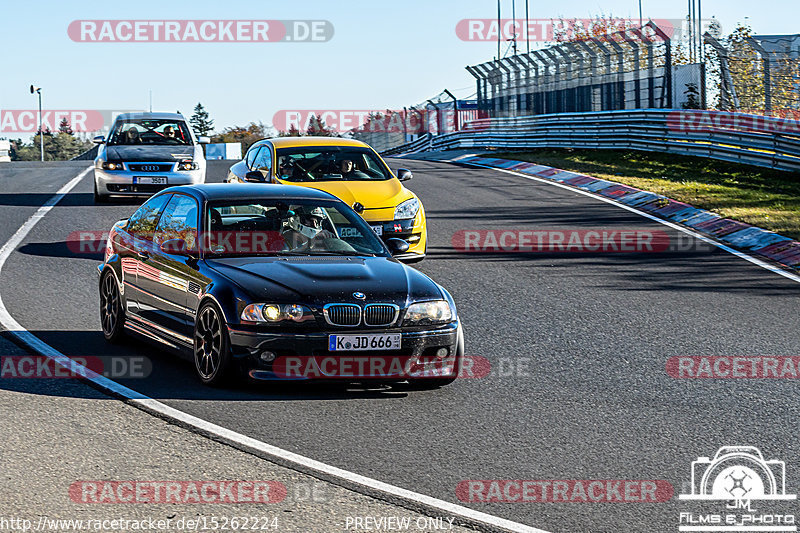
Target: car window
{"x": 179, "y": 221}
{"x": 330, "y": 163}
{"x": 263, "y": 160}
{"x": 143, "y": 222}
{"x": 303, "y": 227}
{"x": 150, "y": 131}
{"x": 250, "y": 157}
{"x": 372, "y": 165}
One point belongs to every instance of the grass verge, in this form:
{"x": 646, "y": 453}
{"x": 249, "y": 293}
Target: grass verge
{"x": 762, "y": 197}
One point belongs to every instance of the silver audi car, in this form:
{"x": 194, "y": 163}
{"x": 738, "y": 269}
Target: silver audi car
{"x": 147, "y": 152}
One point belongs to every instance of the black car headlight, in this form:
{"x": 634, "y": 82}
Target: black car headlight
{"x": 112, "y": 165}
{"x": 426, "y": 313}
{"x": 276, "y": 313}
{"x": 188, "y": 164}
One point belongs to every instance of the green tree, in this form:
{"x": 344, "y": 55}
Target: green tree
{"x": 64, "y": 126}
{"x": 746, "y": 68}
{"x": 16, "y": 144}
{"x": 247, "y": 135}
{"x": 61, "y": 146}
{"x": 201, "y": 124}
{"x": 293, "y": 132}
{"x": 317, "y": 127}
{"x": 692, "y": 93}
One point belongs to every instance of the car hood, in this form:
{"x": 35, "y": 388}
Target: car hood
{"x": 149, "y": 153}
{"x": 371, "y": 194}
{"x": 326, "y": 279}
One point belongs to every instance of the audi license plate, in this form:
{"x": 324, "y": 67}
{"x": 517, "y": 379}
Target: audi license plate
{"x": 149, "y": 180}
{"x": 357, "y": 343}
{"x": 378, "y": 230}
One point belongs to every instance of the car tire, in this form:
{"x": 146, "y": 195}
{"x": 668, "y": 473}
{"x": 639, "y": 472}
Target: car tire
{"x": 212, "y": 355}
{"x": 435, "y": 383}
{"x": 112, "y": 315}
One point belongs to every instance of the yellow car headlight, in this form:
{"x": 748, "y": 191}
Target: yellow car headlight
{"x": 407, "y": 209}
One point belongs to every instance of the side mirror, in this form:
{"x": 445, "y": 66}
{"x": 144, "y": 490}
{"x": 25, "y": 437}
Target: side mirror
{"x": 255, "y": 176}
{"x": 403, "y": 174}
{"x": 175, "y": 247}
{"x": 397, "y": 246}
{"x": 204, "y": 139}
{"x": 358, "y": 207}
{"x": 99, "y": 139}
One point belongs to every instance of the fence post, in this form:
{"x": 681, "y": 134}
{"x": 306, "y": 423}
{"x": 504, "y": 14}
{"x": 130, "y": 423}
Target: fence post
{"x": 536, "y": 83}
{"x": 728, "y": 90}
{"x": 620, "y": 71}
{"x": 767, "y": 81}
{"x": 667, "y": 64}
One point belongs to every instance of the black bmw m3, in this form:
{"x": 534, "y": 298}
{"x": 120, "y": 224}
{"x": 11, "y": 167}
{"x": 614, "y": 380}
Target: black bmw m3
{"x": 275, "y": 282}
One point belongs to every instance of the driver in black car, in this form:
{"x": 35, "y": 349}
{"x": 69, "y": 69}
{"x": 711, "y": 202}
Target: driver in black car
{"x": 303, "y": 229}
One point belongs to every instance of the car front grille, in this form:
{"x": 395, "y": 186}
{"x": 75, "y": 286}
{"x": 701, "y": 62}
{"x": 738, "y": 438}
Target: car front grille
{"x": 150, "y": 167}
{"x": 342, "y": 314}
{"x": 350, "y": 315}
{"x": 380, "y": 314}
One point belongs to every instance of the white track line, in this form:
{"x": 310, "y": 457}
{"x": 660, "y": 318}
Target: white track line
{"x": 351, "y": 480}
{"x": 737, "y": 253}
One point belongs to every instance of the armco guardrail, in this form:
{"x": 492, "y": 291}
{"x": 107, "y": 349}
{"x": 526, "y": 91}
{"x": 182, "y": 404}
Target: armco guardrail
{"x": 417, "y": 145}
{"x": 88, "y": 155}
{"x": 737, "y": 137}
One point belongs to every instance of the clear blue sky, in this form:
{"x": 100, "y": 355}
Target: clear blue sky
{"x": 383, "y": 54}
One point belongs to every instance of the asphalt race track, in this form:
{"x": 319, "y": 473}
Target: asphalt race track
{"x": 577, "y": 343}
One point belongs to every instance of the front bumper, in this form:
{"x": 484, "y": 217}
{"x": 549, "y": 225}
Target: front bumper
{"x": 305, "y": 356}
{"x": 121, "y": 182}
{"x": 412, "y": 231}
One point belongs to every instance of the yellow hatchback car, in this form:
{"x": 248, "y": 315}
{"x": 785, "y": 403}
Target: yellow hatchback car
{"x": 350, "y": 170}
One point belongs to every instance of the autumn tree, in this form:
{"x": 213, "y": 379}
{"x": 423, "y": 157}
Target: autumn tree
{"x": 246, "y": 135}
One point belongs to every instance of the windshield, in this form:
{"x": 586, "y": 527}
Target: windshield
{"x": 148, "y": 131}
{"x": 330, "y": 163}
{"x": 296, "y": 227}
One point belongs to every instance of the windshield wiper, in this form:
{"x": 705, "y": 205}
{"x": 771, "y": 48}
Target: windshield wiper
{"x": 256, "y": 254}
{"x": 349, "y": 254}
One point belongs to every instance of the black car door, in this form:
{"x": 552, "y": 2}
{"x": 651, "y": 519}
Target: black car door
{"x": 165, "y": 297}
{"x": 137, "y": 247}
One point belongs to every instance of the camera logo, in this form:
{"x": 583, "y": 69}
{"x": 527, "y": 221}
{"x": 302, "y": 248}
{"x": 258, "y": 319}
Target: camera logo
{"x": 738, "y": 473}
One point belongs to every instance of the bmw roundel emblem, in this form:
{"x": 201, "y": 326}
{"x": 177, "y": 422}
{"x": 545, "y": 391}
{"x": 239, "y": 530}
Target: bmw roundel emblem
{"x": 359, "y": 296}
